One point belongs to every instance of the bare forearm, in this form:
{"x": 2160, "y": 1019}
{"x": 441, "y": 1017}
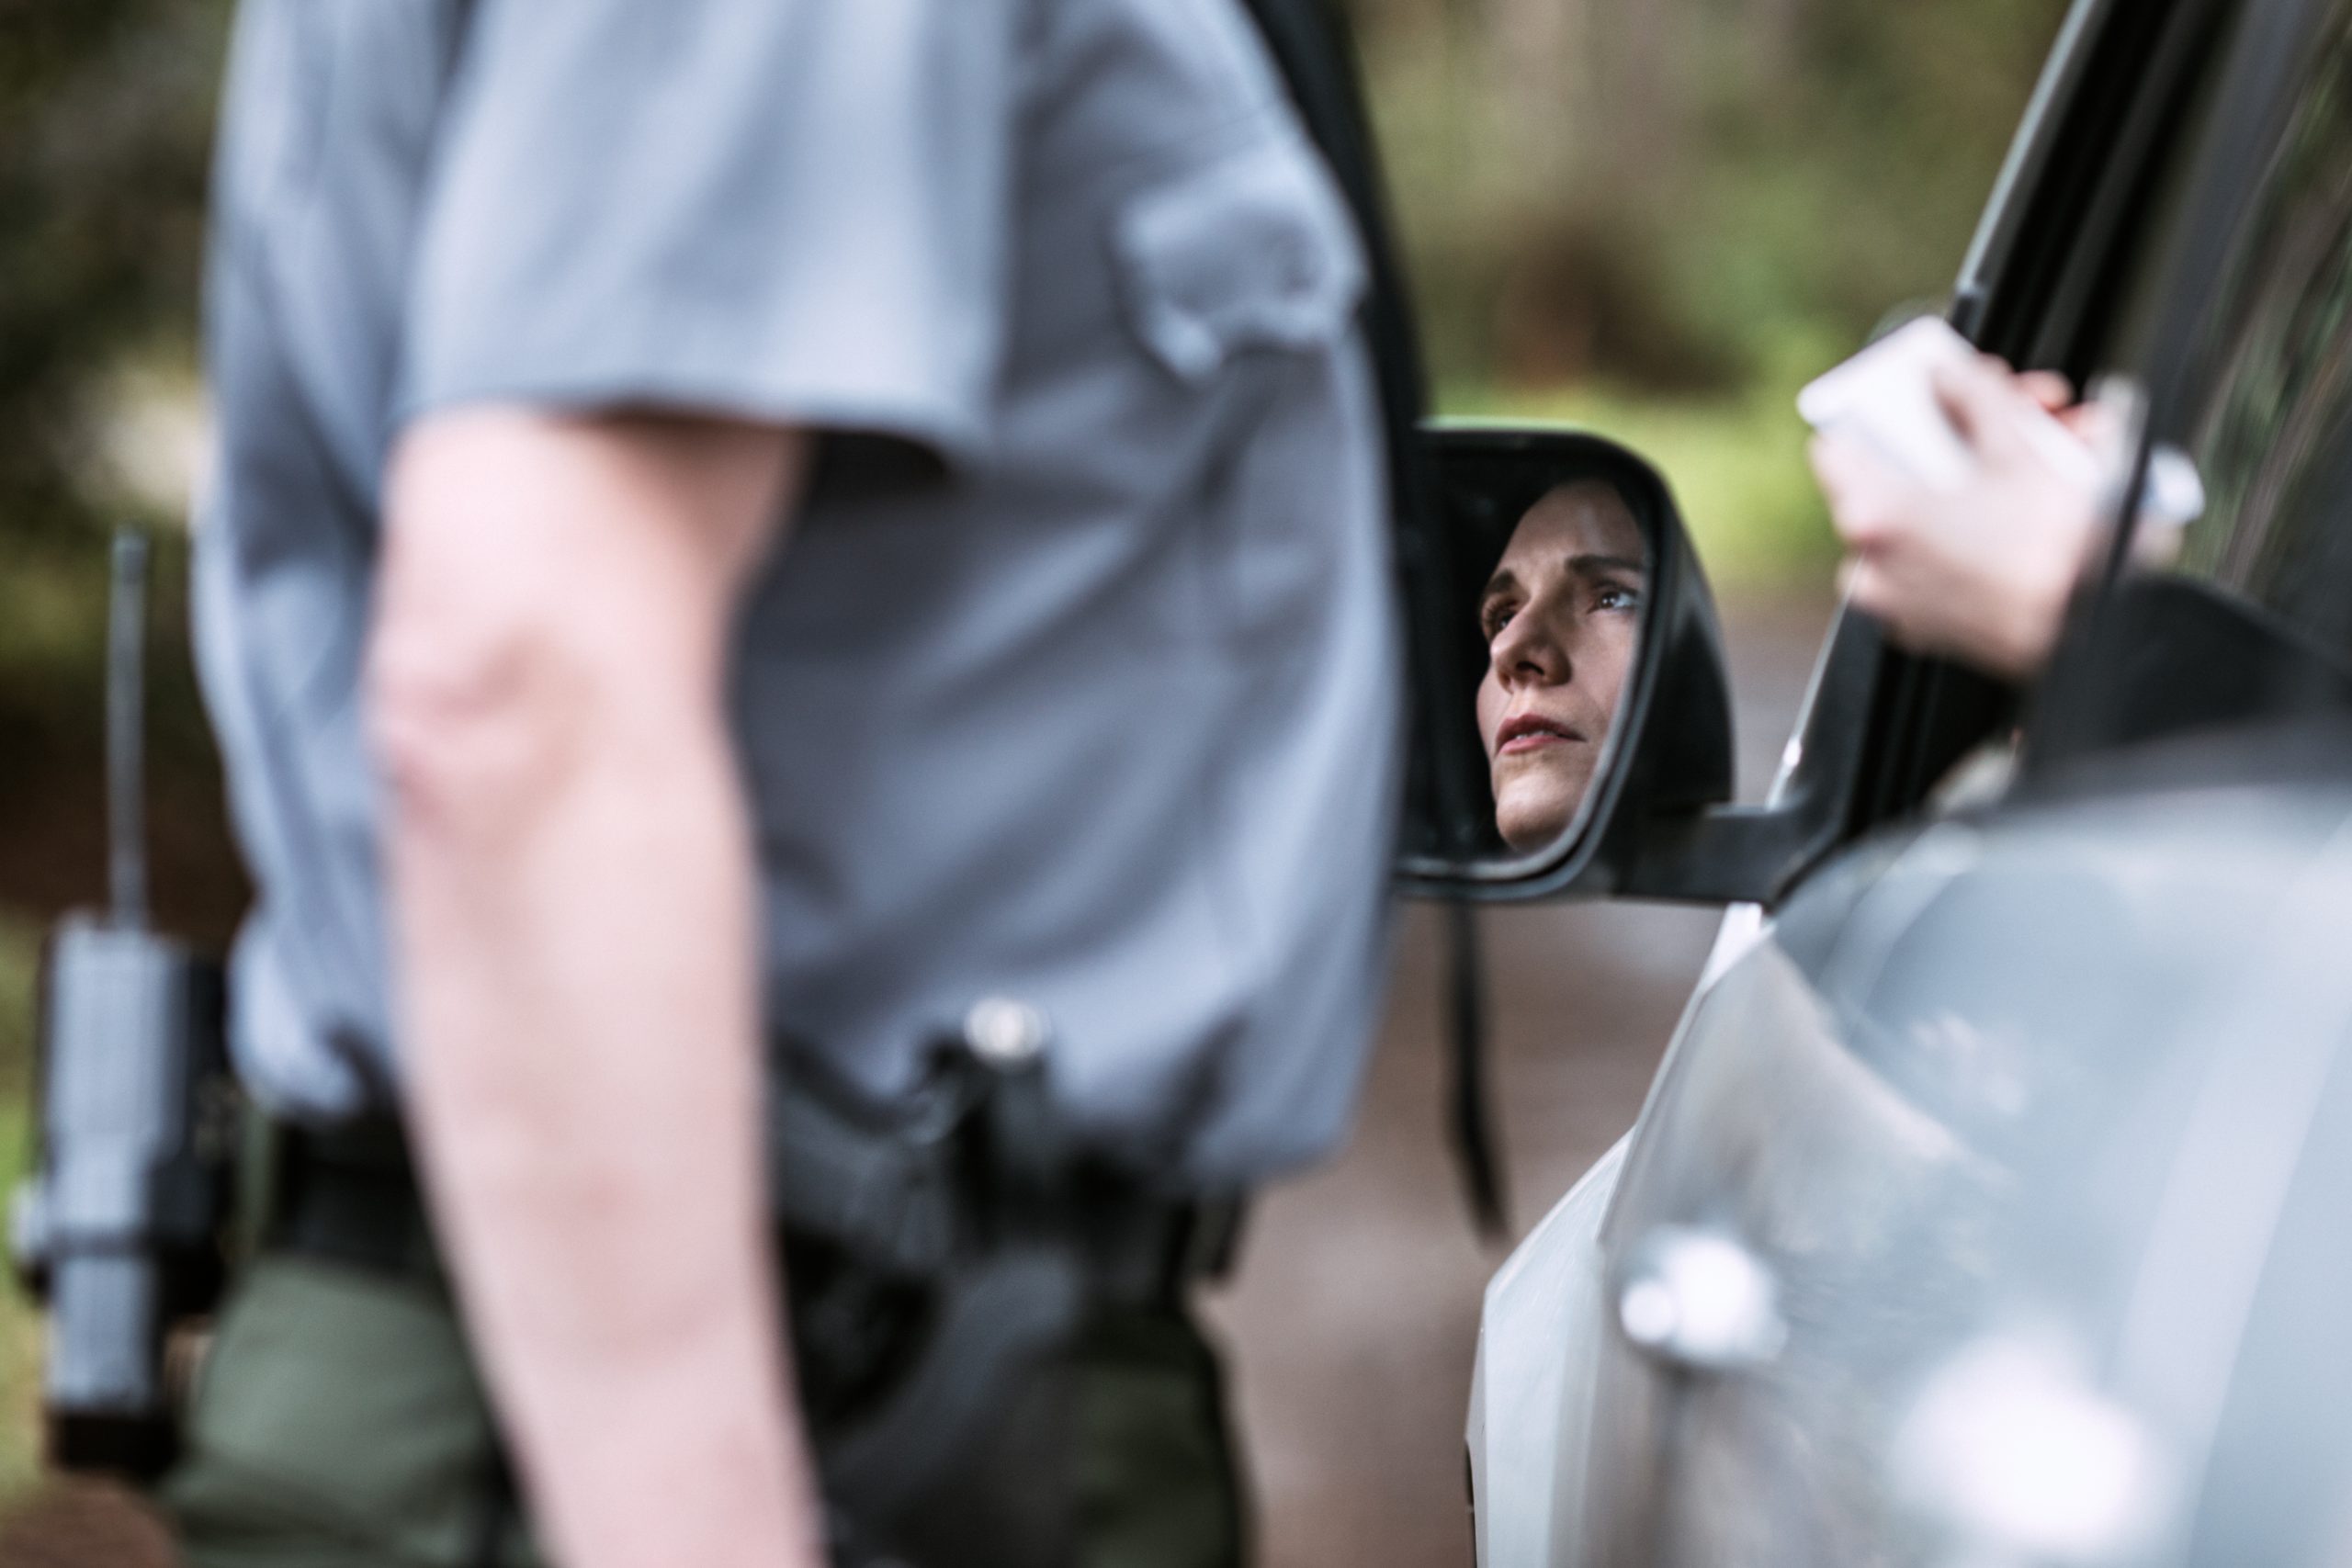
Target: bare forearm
{"x": 598, "y": 1190}
{"x": 574, "y": 929}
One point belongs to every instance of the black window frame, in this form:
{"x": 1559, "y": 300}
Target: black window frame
{"x": 2257, "y": 48}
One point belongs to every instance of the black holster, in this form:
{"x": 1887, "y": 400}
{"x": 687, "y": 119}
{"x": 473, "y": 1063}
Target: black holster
{"x": 944, "y": 1255}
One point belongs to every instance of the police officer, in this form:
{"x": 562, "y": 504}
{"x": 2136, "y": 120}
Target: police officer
{"x": 748, "y": 519}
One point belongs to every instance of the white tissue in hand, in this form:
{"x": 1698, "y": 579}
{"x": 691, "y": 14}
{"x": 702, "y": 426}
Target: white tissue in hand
{"x": 1885, "y": 398}
{"x": 1882, "y": 398}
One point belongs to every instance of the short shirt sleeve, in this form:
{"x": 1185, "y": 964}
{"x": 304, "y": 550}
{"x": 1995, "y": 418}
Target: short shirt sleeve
{"x": 786, "y": 210}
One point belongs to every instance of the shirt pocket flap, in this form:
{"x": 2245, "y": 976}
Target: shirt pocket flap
{"x": 1257, "y": 250}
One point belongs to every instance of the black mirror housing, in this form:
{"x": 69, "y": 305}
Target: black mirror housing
{"x": 1670, "y": 752}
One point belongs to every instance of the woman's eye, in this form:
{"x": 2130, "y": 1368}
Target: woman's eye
{"x": 1495, "y": 618}
{"x": 1615, "y": 598}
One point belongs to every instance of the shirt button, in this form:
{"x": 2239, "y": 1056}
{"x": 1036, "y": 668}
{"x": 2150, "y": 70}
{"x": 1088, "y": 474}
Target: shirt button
{"x": 1005, "y": 1032}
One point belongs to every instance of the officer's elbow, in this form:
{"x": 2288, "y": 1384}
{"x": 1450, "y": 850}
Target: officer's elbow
{"x": 483, "y": 672}
{"x": 550, "y": 618}
{"x": 479, "y": 712}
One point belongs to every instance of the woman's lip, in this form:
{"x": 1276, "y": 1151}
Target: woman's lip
{"x": 1533, "y": 731}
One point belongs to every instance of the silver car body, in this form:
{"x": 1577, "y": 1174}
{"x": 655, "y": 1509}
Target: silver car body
{"x": 2032, "y": 1124}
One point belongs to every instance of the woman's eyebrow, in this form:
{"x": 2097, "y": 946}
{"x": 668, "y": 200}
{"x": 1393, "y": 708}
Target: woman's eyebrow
{"x": 1597, "y": 565}
{"x": 1503, "y": 580}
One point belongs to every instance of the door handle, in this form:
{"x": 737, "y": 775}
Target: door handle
{"x": 1699, "y": 1300}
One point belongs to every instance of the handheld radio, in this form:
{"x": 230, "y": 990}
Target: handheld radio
{"x": 118, "y": 1228}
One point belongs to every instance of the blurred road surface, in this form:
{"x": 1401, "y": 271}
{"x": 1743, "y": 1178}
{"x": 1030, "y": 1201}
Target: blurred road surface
{"x": 1354, "y": 1316}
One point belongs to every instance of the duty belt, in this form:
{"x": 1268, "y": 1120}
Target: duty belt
{"x": 945, "y": 1252}
{"x": 883, "y": 1182}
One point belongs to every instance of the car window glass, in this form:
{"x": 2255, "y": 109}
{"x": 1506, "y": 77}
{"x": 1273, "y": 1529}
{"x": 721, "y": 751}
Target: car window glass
{"x": 2254, "y": 598}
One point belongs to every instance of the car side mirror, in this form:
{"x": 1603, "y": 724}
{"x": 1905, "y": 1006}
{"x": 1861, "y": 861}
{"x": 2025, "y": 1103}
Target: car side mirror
{"x": 1573, "y": 728}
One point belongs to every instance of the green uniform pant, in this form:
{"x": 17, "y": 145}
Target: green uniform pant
{"x": 338, "y": 1423}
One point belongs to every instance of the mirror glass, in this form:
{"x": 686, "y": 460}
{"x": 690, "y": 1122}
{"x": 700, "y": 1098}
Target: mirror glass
{"x": 1543, "y": 567}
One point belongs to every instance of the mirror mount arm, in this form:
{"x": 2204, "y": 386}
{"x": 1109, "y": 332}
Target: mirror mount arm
{"x": 1742, "y": 854}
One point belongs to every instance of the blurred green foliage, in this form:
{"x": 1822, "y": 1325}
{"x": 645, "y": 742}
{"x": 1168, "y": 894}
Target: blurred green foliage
{"x": 105, "y": 117}
{"x": 106, "y": 113}
{"x": 1683, "y": 197}
{"x": 19, "y": 1326}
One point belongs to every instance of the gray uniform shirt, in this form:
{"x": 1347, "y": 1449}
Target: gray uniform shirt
{"x": 1076, "y": 680}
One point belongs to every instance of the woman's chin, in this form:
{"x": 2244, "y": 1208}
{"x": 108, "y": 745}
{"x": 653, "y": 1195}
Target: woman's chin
{"x": 1534, "y": 808}
{"x": 1526, "y": 832}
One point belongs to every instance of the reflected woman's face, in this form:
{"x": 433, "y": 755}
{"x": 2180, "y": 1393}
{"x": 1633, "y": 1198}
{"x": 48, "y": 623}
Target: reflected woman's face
{"x": 1562, "y": 615}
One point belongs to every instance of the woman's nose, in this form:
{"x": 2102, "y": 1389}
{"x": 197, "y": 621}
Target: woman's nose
{"x": 1529, "y": 651}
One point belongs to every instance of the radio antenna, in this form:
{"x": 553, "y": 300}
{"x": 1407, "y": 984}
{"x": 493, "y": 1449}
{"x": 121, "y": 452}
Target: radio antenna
{"x": 126, "y": 732}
